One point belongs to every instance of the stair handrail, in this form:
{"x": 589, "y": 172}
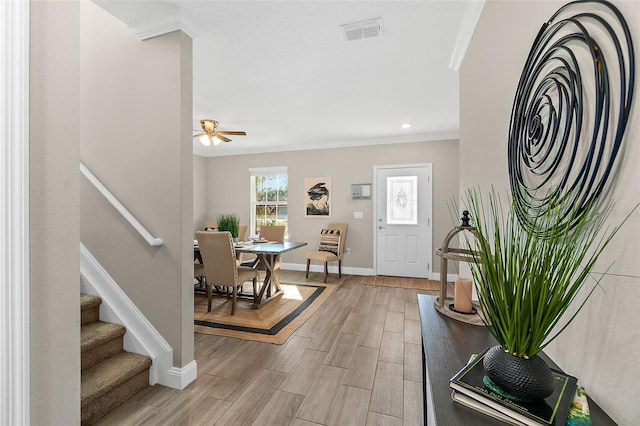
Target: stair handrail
{"x": 153, "y": 241}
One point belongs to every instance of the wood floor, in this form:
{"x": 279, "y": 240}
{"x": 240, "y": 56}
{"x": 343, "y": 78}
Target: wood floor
{"x": 356, "y": 361}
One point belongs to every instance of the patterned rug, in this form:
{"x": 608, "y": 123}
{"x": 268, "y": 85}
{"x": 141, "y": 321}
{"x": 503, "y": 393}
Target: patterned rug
{"x": 272, "y": 323}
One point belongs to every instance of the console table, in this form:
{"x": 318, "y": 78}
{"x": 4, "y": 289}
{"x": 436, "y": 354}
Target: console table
{"x": 447, "y": 345}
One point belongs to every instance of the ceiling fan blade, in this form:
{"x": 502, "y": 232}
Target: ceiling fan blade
{"x": 231, "y": 132}
{"x": 197, "y": 135}
{"x": 222, "y": 138}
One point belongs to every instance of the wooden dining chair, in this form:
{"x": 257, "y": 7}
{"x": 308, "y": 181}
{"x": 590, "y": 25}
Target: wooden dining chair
{"x": 220, "y": 268}
{"x": 331, "y": 248}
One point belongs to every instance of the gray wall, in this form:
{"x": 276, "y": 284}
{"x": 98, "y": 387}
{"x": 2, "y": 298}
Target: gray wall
{"x": 601, "y": 345}
{"x": 54, "y": 213}
{"x": 136, "y": 99}
{"x": 227, "y": 190}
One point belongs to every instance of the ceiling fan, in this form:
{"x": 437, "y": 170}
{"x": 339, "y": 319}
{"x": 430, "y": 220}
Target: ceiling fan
{"x": 210, "y": 133}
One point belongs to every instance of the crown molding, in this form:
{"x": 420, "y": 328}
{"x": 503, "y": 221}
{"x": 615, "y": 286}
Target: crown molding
{"x": 199, "y": 149}
{"x": 156, "y": 18}
{"x": 164, "y": 23}
{"x": 468, "y": 26}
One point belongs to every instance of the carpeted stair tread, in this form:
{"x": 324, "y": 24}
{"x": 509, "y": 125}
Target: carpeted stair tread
{"x": 97, "y": 333}
{"x": 89, "y": 308}
{"x": 88, "y": 301}
{"x": 109, "y": 374}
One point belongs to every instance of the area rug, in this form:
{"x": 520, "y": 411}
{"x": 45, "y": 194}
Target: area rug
{"x": 272, "y": 323}
{"x": 403, "y": 282}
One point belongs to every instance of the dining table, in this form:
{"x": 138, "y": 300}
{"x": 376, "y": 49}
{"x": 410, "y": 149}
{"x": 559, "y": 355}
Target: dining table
{"x": 268, "y": 253}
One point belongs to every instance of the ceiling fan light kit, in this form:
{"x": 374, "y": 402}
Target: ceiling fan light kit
{"x": 206, "y": 140}
{"x": 210, "y": 133}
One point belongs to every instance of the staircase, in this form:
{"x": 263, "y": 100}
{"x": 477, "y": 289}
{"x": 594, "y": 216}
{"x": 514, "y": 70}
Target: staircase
{"x": 110, "y": 375}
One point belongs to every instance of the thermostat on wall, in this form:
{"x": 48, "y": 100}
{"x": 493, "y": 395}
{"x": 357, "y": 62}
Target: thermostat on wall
{"x": 360, "y": 191}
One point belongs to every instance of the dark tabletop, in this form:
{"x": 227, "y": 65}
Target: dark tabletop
{"x": 447, "y": 346}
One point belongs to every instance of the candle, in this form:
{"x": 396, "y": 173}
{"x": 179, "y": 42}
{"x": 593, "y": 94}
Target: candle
{"x": 462, "y": 295}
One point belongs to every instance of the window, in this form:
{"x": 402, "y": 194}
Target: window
{"x": 269, "y": 194}
{"x": 402, "y": 200}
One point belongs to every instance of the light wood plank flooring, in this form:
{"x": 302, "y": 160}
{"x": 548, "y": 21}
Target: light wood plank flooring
{"x": 356, "y": 361}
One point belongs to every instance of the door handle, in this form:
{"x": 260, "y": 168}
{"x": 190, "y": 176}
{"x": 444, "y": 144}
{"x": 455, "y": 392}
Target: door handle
{"x": 380, "y": 227}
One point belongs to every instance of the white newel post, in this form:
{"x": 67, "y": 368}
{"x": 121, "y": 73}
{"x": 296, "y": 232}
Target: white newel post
{"x": 14, "y": 213}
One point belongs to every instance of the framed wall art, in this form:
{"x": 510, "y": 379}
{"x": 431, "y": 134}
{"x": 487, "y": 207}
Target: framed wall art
{"x": 317, "y": 197}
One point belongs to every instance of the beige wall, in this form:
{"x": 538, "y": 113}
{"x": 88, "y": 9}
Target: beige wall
{"x": 227, "y": 190}
{"x": 54, "y": 213}
{"x": 136, "y": 99}
{"x": 601, "y": 345}
{"x": 199, "y": 192}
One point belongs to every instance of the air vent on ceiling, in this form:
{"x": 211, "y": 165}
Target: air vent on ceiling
{"x": 362, "y": 29}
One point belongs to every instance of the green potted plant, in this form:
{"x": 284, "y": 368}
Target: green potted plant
{"x": 526, "y": 277}
{"x": 229, "y": 222}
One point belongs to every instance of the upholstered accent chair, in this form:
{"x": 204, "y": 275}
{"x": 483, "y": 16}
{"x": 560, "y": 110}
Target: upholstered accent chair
{"x": 220, "y": 268}
{"x": 269, "y": 233}
{"x": 272, "y": 232}
{"x": 198, "y": 273}
{"x": 211, "y": 226}
{"x": 242, "y": 232}
{"x": 331, "y": 248}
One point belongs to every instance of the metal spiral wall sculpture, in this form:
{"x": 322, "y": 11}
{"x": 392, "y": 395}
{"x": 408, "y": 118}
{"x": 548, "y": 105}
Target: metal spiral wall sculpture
{"x": 570, "y": 110}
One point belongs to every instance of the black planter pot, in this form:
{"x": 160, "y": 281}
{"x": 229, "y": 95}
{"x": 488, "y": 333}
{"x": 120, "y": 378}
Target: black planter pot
{"x": 523, "y": 378}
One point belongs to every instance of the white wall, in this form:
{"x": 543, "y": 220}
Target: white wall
{"x": 602, "y": 344}
{"x": 227, "y": 190}
{"x": 54, "y": 212}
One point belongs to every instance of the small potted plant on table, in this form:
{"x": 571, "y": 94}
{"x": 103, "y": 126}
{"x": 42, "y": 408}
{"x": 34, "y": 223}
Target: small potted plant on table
{"x": 526, "y": 277}
{"x": 231, "y": 223}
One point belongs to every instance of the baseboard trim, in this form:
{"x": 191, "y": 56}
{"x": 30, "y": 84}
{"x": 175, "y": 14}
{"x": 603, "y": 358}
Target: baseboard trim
{"x": 179, "y": 378}
{"x": 333, "y": 269}
{"x": 141, "y": 336}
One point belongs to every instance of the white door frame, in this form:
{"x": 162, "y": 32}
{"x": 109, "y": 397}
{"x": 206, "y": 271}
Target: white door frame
{"x": 14, "y": 214}
{"x": 375, "y": 211}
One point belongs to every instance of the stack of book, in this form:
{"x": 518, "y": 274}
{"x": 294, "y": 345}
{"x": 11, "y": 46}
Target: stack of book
{"x": 579, "y": 414}
{"x": 469, "y": 390}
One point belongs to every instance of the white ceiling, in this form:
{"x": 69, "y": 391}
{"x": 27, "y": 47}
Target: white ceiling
{"x": 283, "y": 72}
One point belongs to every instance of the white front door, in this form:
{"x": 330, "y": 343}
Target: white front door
{"x": 403, "y": 220}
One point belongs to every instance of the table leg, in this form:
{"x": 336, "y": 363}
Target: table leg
{"x": 275, "y": 274}
{"x": 267, "y": 282}
{"x": 272, "y": 278}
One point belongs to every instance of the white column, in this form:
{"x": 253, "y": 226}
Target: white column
{"x": 14, "y": 212}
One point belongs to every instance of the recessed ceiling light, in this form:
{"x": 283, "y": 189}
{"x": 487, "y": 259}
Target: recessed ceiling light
{"x": 406, "y": 125}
